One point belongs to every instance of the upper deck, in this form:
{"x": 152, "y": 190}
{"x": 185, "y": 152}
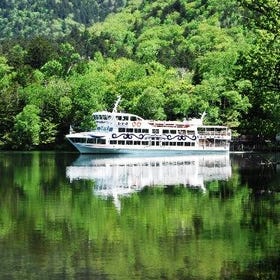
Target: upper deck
{"x": 119, "y": 119}
{"x": 109, "y": 116}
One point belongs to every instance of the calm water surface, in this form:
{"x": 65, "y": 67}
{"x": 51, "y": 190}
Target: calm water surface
{"x": 69, "y": 216}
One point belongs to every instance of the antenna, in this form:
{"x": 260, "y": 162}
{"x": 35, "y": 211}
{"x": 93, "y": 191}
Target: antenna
{"x": 203, "y": 115}
{"x": 116, "y": 104}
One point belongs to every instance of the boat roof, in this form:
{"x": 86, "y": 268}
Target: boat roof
{"x": 106, "y": 113}
{"x": 162, "y": 123}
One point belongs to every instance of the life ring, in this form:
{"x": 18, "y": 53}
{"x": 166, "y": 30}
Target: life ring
{"x": 138, "y": 124}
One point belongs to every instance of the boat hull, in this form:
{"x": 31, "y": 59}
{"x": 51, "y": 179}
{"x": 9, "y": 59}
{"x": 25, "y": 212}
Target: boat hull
{"x": 104, "y": 149}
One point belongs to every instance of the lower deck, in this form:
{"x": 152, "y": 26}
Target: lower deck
{"x": 144, "y": 149}
{"x": 128, "y": 141}
{"x": 125, "y": 142}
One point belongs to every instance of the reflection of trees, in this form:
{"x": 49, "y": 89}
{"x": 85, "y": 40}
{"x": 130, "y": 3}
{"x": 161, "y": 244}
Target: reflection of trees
{"x": 62, "y": 229}
{"x": 267, "y": 268}
{"x": 259, "y": 171}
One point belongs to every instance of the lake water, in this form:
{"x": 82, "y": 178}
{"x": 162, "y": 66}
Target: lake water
{"x": 70, "y": 216}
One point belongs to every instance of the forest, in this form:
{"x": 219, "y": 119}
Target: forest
{"x": 52, "y": 18}
{"x": 168, "y": 59}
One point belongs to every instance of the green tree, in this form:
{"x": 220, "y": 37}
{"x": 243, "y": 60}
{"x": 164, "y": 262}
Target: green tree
{"x": 39, "y": 52}
{"x": 9, "y": 100}
{"x": 265, "y": 14}
{"x": 160, "y": 43}
{"x": 68, "y": 58}
{"x": 261, "y": 66}
{"x": 52, "y": 68}
{"x": 26, "y": 133}
{"x": 150, "y": 104}
{"x": 48, "y": 132}
{"x": 115, "y": 37}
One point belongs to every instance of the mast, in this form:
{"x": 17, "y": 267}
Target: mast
{"x": 116, "y": 104}
{"x": 202, "y": 116}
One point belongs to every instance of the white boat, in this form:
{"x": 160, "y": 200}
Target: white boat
{"x": 118, "y": 132}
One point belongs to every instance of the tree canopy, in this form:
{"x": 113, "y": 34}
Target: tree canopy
{"x": 167, "y": 59}
{"x": 51, "y": 18}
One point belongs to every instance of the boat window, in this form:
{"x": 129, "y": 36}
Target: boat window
{"x": 136, "y": 142}
{"x": 137, "y": 130}
{"x": 182, "y": 131}
{"x": 104, "y": 117}
{"x": 191, "y": 132}
{"x": 129, "y": 142}
{"x": 172, "y": 143}
{"x": 221, "y": 131}
{"x": 187, "y": 143}
{"x": 113, "y": 142}
{"x": 180, "y": 143}
{"x": 201, "y": 131}
{"x": 165, "y": 131}
{"x": 145, "y": 143}
{"x": 173, "y": 131}
{"x": 119, "y": 118}
{"x": 145, "y": 130}
{"x": 125, "y": 118}
{"x": 121, "y": 142}
{"x": 79, "y": 140}
{"x": 156, "y": 131}
{"x": 91, "y": 140}
{"x": 129, "y": 130}
{"x": 164, "y": 143}
{"x": 121, "y": 129}
{"x": 133, "y": 118}
{"x": 101, "y": 141}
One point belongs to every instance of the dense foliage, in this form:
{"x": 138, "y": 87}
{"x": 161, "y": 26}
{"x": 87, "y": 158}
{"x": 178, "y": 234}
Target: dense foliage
{"x": 52, "y": 18}
{"x": 168, "y": 60}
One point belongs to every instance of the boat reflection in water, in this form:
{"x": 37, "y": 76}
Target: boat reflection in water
{"x": 116, "y": 176}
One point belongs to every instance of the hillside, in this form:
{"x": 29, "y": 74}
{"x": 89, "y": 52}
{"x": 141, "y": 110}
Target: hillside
{"x": 51, "y": 18}
{"x": 168, "y": 59}
{"x": 229, "y": 48}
